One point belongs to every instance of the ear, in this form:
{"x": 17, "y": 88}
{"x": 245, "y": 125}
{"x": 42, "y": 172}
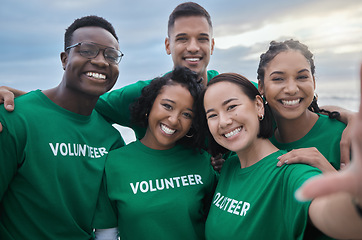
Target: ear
{"x": 212, "y": 45}
{"x": 167, "y": 45}
{"x": 259, "y": 104}
{"x": 64, "y": 59}
{"x": 314, "y": 82}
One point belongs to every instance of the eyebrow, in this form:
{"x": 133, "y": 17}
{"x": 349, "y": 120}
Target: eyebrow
{"x": 184, "y": 34}
{"x": 169, "y": 100}
{"x": 223, "y": 104}
{"x": 280, "y": 72}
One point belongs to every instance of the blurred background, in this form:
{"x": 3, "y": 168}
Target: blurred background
{"x": 32, "y": 37}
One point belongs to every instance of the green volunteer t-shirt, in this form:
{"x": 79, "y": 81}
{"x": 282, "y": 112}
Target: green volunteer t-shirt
{"x": 160, "y": 194}
{"x": 258, "y": 202}
{"x": 325, "y": 136}
{"x": 52, "y": 162}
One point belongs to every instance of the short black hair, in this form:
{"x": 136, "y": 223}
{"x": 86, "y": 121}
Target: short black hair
{"x": 187, "y": 9}
{"x": 248, "y": 88}
{"x": 179, "y": 76}
{"x": 87, "y": 21}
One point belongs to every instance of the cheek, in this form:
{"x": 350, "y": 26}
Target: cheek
{"x": 187, "y": 124}
{"x": 212, "y": 125}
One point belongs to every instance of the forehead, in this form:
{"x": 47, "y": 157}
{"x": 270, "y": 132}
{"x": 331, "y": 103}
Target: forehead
{"x": 175, "y": 92}
{"x": 221, "y": 91}
{"x": 94, "y": 34}
{"x": 287, "y": 61}
{"x": 174, "y": 88}
{"x": 191, "y": 24}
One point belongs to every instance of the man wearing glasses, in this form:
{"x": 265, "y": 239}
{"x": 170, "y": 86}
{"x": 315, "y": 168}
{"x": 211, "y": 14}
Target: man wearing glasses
{"x": 54, "y": 145}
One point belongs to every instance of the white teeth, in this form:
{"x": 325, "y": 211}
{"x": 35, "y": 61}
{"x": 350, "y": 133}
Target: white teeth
{"x": 291, "y": 102}
{"x": 192, "y": 59}
{"x": 232, "y": 133}
{"x": 167, "y": 130}
{"x": 96, "y": 75}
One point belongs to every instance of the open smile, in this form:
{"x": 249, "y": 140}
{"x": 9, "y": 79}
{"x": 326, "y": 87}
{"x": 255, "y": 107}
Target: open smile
{"x": 97, "y": 76}
{"x": 167, "y": 130}
{"x": 233, "y": 132}
{"x": 291, "y": 102}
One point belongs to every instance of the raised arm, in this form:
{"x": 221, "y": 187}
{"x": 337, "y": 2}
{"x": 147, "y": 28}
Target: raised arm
{"x": 337, "y": 206}
{"x": 114, "y": 105}
{"x": 310, "y": 156}
{"x": 347, "y": 117}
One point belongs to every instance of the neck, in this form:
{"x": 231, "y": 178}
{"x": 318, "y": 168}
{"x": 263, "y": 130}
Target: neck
{"x": 204, "y": 78}
{"x": 290, "y": 130}
{"x": 71, "y": 100}
{"x": 253, "y": 154}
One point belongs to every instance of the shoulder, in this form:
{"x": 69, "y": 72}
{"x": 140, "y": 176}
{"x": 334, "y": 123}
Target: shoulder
{"x": 297, "y": 174}
{"x": 23, "y": 104}
{"x": 211, "y": 74}
{"x": 331, "y": 125}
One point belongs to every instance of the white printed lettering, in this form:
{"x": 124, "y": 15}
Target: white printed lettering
{"x": 55, "y": 150}
{"x": 198, "y": 179}
{"x": 134, "y": 188}
{"x": 184, "y": 181}
{"x": 246, "y": 207}
{"x": 191, "y": 179}
{"x": 237, "y": 208}
{"x": 152, "y": 189}
{"x": 162, "y": 184}
{"x": 63, "y": 149}
{"x": 145, "y": 188}
{"x": 232, "y": 205}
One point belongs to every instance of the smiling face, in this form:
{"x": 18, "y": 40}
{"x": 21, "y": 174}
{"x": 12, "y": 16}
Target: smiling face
{"x": 190, "y": 43}
{"x": 288, "y": 85}
{"x": 170, "y": 117}
{"x": 91, "y": 77}
{"x": 232, "y": 117}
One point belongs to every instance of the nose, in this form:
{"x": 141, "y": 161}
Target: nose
{"x": 193, "y": 45}
{"x": 100, "y": 60}
{"x": 173, "y": 119}
{"x": 291, "y": 87}
{"x": 224, "y": 120}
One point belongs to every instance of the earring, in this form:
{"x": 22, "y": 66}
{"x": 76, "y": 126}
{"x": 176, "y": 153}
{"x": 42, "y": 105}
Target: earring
{"x": 265, "y": 101}
{"x": 190, "y": 135}
{"x": 261, "y": 117}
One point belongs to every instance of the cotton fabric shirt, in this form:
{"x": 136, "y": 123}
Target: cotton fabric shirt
{"x": 160, "y": 194}
{"x": 52, "y": 162}
{"x": 325, "y": 136}
{"x": 258, "y": 202}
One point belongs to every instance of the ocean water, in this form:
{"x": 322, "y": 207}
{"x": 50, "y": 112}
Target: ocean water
{"x": 344, "y": 94}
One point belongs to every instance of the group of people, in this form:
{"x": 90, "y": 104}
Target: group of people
{"x": 66, "y": 171}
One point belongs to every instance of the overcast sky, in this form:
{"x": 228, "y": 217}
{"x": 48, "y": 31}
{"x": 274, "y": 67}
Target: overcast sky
{"x": 31, "y": 37}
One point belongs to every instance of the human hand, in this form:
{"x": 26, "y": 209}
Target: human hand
{"x": 348, "y": 179}
{"x": 310, "y": 156}
{"x": 7, "y": 97}
{"x": 345, "y": 144}
{"x": 217, "y": 162}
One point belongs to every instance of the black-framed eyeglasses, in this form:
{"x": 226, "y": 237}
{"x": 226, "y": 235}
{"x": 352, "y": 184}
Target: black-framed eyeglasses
{"x": 90, "y": 50}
